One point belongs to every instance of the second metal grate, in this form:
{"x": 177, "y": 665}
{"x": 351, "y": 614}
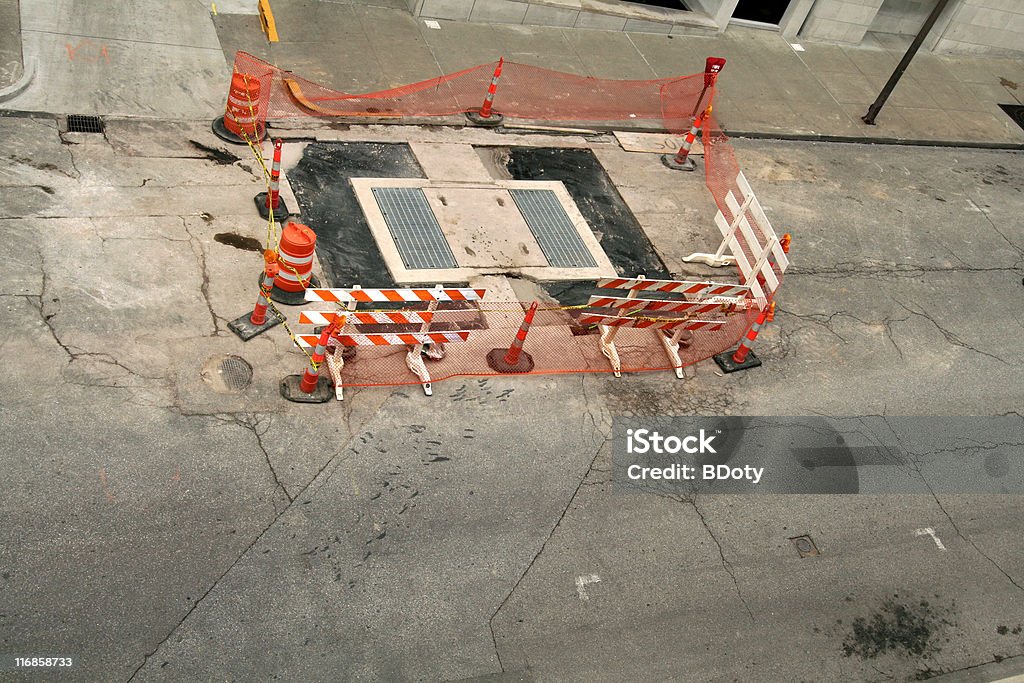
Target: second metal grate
{"x": 553, "y": 230}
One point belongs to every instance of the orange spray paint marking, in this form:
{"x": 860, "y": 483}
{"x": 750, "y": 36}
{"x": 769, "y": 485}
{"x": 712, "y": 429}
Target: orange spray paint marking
{"x": 106, "y": 486}
{"x": 103, "y": 51}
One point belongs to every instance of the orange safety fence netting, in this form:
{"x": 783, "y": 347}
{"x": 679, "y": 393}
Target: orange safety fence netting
{"x": 524, "y": 91}
{"x": 556, "y": 342}
{"x": 721, "y": 172}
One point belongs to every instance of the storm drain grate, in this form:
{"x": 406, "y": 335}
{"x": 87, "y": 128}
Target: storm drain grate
{"x": 1015, "y": 112}
{"x": 552, "y": 228}
{"x": 235, "y": 372}
{"x": 81, "y": 123}
{"x": 412, "y": 225}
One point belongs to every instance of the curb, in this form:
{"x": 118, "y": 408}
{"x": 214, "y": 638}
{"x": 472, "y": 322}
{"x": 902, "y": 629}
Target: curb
{"x": 1004, "y": 671}
{"x": 28, "y": 74}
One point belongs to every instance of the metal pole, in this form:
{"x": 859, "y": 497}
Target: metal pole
{"x": 876, "y": 106}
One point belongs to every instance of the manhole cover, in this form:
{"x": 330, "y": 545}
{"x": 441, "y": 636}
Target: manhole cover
{"x": 1015, "y": 112}
{"x": 227, "y": 374}
{"x": 805, "y": 546}
{"x": 81, "y": 123}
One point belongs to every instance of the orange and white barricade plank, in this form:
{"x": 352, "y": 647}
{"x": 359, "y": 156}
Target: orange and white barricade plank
{"x": 394, "y": 295}
{"x": 388, "y": 339}
{"x": 367, "y": 317}
{"x": 652, "y": 323}
{"x": 691, "y": 289}
{"x": 699, "y": 298}
{"x": 714, "y": 303}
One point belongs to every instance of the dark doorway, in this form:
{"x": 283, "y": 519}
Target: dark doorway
{"x": 763, "y": 11}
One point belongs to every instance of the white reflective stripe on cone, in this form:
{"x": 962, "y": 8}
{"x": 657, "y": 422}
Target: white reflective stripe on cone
{"x": 296, "y": 260}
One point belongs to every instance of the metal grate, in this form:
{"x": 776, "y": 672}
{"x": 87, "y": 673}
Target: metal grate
{"x": 1015, "y": 112}
{"x": 553, "y": 230}
{"x": 80, "y": 123}
{"x": 235, "y": 372}
{"x": 412, "y": 224}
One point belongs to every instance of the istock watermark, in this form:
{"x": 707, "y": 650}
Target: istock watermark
{"x": 819, "y": 455}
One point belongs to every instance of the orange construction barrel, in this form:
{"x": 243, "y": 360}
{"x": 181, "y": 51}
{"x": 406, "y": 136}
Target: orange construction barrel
{"x": 296, "y": 248}
{"x": 244, "y": 115}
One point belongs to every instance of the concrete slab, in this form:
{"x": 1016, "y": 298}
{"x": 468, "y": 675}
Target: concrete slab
{"x": 467, "y": 214}
{"x": 659, "y": 143}
{"x": 450, "y": 162}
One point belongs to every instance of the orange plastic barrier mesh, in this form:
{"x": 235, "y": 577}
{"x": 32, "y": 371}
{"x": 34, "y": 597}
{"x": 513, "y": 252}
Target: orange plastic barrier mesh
{"x": 555, "y": 341}
{"x": 526, "y": 92}
{"x": 721, "y": 170}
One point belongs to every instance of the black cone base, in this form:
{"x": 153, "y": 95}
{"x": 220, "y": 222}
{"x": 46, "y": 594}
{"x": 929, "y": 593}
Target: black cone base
{"x": 496, "y": 361}
{"x": 494, "y": 119}
{"x": 281, "y": 213}
{"x": 670, "y": 161}
{"x": 292, "y": 391}
{"x": 221, "y": 131}
{"x": 728, "y": 365}
{"x": 244, "y": 328}
{"x": 290, "y": 298}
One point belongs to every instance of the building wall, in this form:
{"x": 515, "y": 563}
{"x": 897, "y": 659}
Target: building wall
{"x": 977, "y": 26}
{"x": 840, "y": 21}
{"x": 985, "y": 26}
{"x": 902, "y": 17}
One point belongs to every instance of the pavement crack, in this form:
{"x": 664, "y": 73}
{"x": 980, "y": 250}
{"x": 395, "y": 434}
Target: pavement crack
{"x": 204, "y": 288}
{"x": 970, "y": 541}
{"x": 540, "y": 551}
{"x": 259, "y": 427}
{"x": 949, "y": 336}
{"x": 721, "y": 554}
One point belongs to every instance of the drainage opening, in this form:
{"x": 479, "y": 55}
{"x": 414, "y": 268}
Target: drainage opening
{"x": 227, "y": 374}
{"x": 81, "y": 123}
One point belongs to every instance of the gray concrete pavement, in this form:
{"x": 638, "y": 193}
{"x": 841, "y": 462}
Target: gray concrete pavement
{"x": 162, "y": 528}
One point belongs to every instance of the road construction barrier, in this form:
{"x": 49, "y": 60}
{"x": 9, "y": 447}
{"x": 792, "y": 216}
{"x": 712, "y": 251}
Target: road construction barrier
{"x": 753, "y": 245}
{"x": 244, "y": 117}
{"x": 675, "y": 321}
{"x": 270, "y": 203}
{"x": 249, "y": 325}
{"x": 312, "y": 387}
{"x": 296, "y": 249}
{"x": 483, "y": 115}
{"x": 386, "y": 328}
{"x": 394, "y": 295}
{"x": 527, "y": 92}
{"x": 743, "y": 358}
{"x": 681, "y": 161}
{"x": 515, "y": 359}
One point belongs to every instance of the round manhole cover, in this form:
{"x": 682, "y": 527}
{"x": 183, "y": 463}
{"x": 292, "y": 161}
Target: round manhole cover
{"x": 227, "y": 374}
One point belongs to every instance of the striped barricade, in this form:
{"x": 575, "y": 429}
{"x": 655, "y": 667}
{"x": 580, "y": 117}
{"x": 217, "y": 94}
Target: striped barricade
{"x": 359, "y": 295}
{"x": 672, "y": 320}
{"x": 389, "y": 328}
{"x": 761, "y": 255}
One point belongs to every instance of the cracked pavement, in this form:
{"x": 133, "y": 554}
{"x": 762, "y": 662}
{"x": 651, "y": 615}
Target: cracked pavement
{"x": 160, "y": 527}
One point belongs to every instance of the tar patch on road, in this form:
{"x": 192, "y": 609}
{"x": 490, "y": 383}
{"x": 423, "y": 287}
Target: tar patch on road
{"x": 328, "y": 204}
{"x": 349, "y": 253}
{"x": 906, "y": 628}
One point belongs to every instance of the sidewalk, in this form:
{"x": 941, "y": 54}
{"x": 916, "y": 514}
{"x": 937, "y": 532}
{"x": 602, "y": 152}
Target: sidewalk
{"x": 767, "y": 87}
{"x": 11, "y": 65}
{"x": 108, "y": 64}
